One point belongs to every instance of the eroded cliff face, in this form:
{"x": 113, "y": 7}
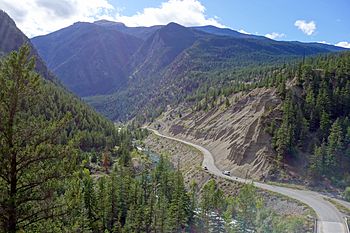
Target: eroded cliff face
{"x": 235, "y": 135}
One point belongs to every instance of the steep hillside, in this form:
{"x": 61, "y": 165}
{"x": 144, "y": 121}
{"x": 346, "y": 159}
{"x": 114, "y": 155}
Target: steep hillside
{"x": 167, "y": 65}
{"x": 88, "y": 58}
{"x": 213, "y": 61}
{"x": 94, "y": 131}
{"x": 234, "y": 133}
{"x": 315, "y": 124}
{"x": 159, "y": 50}
{"x": 292, "y": 122}
{"x": 12, "y": 38}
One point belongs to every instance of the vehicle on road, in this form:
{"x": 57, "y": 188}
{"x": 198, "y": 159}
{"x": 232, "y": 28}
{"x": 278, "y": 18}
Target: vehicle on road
{"x": 226, "y": 173}
{"x": 205, "y": 168}
{"x": 323, "y": 208}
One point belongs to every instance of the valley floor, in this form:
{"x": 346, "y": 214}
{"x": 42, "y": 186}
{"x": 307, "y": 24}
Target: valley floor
{"x": 190, "y": 161}
{"x": 329, "y": 218}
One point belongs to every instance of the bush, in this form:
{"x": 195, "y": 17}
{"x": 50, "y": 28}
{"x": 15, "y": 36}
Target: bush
{"x": 291, "y": 224}
{"x": 347, "y": 194}
{"x": 93, "y": 158}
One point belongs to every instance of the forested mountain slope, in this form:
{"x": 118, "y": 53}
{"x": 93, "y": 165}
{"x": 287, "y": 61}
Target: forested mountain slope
{"x": 54, "y": 185}
{"x": 65, "y": 168}
{"x": 58, "y": 101}
{"x": 301, "y": 109}
{"x": 315, "y": 120}
{"x": 45, "y": 134}
{"x": 167, "y": 63}
{"x": 88, "y": 58}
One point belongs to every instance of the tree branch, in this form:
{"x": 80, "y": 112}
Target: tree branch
{"x": 32, "y": 185}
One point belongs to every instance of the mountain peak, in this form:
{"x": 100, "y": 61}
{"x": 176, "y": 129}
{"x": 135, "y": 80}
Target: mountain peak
{"x": 104, "y": 22}
{"x": 174, "y": 28}
{"x": 173, "y": 25}
{"x": 4, "y": 17}
{"x": 12, "y": 38}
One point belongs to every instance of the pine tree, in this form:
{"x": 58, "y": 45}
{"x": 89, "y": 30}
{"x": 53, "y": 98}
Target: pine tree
{"x": 178, "y": 209}
{"x": 310, "y": 108}
{"x": 102, "y": 203}
{"x": 317, "y": 164}
{"x": 76, "y": 219}
{"x": 325, "y": 123}
{"x": 335, "y": 147}
{"x": 323, "y": 101}
{"x": 248, "y": 206}
{"x": 33, "y": 165}
{"x": 90, "y": 201}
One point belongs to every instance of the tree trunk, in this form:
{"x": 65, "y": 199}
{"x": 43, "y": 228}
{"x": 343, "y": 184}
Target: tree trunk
{"x": 12, "y": 212}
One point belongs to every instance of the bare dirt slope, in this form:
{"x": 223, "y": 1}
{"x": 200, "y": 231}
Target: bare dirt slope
{"x": 235, "y": 134}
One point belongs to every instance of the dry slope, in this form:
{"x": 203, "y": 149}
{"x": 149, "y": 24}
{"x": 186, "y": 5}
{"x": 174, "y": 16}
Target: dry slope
{"x": 235, "y": 134}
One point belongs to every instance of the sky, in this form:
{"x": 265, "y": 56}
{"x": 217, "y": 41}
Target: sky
{"x": 324, "y": 21}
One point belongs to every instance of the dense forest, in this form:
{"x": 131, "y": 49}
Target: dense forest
{"x": 51, "y": 144}
{"x": 44, "y": 133}
{"x": 316, "y": 112}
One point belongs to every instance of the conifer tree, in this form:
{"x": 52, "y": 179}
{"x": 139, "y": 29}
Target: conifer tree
{"x": 33, "y": 164}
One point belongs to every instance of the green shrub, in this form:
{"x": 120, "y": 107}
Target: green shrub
{"x": 347, "y": 194}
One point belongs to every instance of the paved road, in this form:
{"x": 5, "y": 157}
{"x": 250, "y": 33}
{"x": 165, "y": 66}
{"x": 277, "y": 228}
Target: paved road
{"x": 330, "y": 220}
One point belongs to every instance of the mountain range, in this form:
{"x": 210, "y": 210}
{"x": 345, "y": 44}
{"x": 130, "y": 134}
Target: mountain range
{"x": 261, "y": 109}
{"x": 107, "y": 62}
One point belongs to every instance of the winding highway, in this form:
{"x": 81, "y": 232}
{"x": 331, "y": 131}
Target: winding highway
{"x": 329, "y": 219}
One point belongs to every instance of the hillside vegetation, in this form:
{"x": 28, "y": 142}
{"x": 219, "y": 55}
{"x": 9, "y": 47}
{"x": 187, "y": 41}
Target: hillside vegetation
{"x": 306, "y": 120}
{"x": 65, "y": 168}
{"x": 127, "y": 72}
{"x": 315, "y": 120}
{"x": 47, "y": 184}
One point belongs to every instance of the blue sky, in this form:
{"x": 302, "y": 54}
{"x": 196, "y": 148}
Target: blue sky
{"x": 302, "y": 20}
{"x": 332, "y": 17}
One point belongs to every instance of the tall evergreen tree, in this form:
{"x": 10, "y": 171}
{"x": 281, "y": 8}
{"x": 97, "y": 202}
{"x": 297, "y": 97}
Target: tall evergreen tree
{"x": 335, "y": 147}
{"x": 32, "y": 161}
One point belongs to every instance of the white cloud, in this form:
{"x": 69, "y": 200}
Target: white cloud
{"x": 244, "y": 32}
{"x": 307, "y": 27}
{"x": 275, "y": 35}
{"x": 38, "y": 17}
{"x": 323, "y": 42}
{"x": 343, "y": 44}
{"x": 184, "y": 12}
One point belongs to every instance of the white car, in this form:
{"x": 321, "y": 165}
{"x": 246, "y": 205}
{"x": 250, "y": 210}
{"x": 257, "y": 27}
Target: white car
{"x": 226, "y": 173}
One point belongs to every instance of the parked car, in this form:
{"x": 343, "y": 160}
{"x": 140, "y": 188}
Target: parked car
{"x": 226, "y": 173}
